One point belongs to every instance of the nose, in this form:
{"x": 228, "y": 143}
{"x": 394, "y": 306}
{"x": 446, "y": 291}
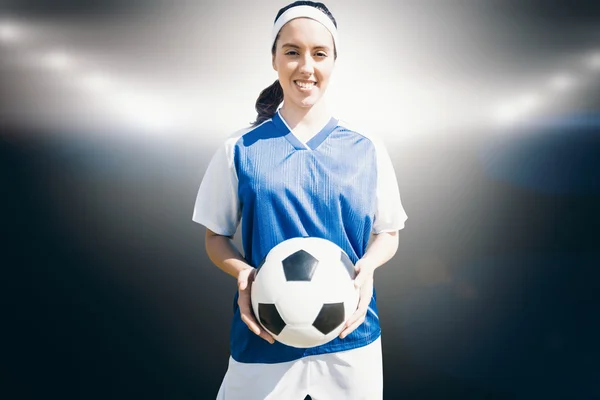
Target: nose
{"x": 306, "y": 65}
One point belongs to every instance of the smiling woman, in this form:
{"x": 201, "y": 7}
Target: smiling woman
{"x": 300, "y": 172}
{"x": 304, "y": 52}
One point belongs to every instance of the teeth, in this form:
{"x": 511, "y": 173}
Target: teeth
{"x": 305, "y": 85}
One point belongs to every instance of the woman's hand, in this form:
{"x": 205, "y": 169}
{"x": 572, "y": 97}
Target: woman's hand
{"x": 364, "y": 282}
{"x": 245, "y": 279}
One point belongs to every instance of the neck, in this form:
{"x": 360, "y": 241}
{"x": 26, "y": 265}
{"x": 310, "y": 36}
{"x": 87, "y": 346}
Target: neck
{"x": 297, "y": 117}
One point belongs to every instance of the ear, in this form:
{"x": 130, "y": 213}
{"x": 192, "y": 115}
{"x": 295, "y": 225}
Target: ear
{"x": 273, "y": 62}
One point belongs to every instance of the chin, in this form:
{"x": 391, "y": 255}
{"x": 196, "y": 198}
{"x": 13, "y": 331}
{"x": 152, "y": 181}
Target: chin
{"x": 307, "y": 103}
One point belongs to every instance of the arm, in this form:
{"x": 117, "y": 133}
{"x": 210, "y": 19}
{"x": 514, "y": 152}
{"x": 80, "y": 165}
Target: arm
{"x": 223, "y": 253}
{"x": 380, "y": 250}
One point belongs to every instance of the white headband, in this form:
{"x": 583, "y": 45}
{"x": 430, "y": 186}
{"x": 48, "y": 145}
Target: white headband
{"x": 304, "y": 12}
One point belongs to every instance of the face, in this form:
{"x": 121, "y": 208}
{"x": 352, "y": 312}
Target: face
{"x": 304, "y": 61}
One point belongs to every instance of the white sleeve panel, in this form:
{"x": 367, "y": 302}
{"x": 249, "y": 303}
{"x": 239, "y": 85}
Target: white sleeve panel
{"x": 389, "y": 213}
{"x": 217, "y": 205}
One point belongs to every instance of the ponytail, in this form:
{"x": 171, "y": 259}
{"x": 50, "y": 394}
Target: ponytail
{"x": 268, "y": 101}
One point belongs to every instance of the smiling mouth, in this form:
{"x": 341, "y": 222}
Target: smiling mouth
{"x": 305, "y": 85}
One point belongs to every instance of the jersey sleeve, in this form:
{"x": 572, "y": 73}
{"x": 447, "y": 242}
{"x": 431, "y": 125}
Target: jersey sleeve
{"x": 389, "y": 212}
{"x": 217, "y": 205}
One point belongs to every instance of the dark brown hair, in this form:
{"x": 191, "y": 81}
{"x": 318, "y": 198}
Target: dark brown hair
{"x": 271, "y": 97}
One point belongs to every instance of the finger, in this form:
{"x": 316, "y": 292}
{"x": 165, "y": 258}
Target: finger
{"x": 246, "y": 313}
{"x": 352, "y": 327}
{"x": 363, "y": 302}
{"x": 242, "y": 280}
{"x": 245, "y": 278}
{"x": 253, "y": 325}
{"x": 257, "y": 329}
{"x": 265, "y": 335}
{"x": 361, "y": 279}
{"x": 251, "y": 322}
{"x": 358, "y": 314}
{"x": 365, "y": 298}
{"x": 358, "y": 281}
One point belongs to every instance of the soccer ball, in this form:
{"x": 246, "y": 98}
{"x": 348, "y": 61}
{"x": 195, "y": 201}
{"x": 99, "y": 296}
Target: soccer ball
{"x": 304, "y": 292}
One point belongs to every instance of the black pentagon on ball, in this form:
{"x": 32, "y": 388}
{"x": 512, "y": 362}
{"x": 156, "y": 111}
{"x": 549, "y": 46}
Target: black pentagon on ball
{"x": 299, "y": 266}
{"x": 348, "y": 265}
{"x": 270, "y": 318}
{"x": 329, "y": 318}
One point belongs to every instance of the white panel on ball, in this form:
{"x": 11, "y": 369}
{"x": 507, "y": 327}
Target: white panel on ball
{"x": 303, "y": 337}
{"x": 299, "y": 293}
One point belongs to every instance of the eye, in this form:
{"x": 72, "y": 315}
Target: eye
{"x": 291, "y": 53}
{"x": 321, "y": 54}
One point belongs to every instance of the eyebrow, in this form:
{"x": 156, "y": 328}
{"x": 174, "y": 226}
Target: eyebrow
{"x": 295, "y": 46}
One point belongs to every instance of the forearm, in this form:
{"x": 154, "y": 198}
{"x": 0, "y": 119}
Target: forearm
{"x": 222, "y": 252}
{"x": 381, "y": 249}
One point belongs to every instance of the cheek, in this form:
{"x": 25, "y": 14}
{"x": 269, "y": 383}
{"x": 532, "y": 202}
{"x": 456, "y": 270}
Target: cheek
{"x": 284, "y": 68}
{"x": 279, "y": 63}
{"x": 326, "y": 73}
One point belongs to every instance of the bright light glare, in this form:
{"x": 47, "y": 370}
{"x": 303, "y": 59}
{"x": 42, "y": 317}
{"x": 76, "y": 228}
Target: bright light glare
{"x": 9, "y": 33}
{"x": 529, "y": 102}
{"x": 142, "y": 111}
{"x": 506, "y": 113}
{"x": 419, "y": 105}
{"x": 562, "y": 82}
{"x": 520, "y": 107}
{"x": 58, "y": 61}
{"x": 593, "y": 61}
{"x": 96, "y": 82}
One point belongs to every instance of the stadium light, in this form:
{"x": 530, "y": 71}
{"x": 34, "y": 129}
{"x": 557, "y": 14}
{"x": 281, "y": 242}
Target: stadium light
{"x": 513, "y": 110}
{"x": 96, "y": 82}
{"x": 561, "y": 82}
{"x": 58, "y": 61}
{"x": 9, "y": 33}
{"x": 142, "y": 110}
{"x": 593, "y": 61}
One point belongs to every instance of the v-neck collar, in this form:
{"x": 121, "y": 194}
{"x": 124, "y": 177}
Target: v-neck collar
{"x": 313, "y": 143}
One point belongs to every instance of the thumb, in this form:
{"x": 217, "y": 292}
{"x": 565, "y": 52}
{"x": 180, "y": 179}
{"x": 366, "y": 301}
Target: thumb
{"x": 358, "y": 281}
{"x": 242, "y": 281}
{"x": 359, "y": 277}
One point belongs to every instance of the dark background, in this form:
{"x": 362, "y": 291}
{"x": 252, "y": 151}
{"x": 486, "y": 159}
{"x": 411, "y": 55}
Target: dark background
{"x": 107, "y": 291}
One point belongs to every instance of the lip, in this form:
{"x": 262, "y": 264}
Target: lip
{"x": 296, "y": 81}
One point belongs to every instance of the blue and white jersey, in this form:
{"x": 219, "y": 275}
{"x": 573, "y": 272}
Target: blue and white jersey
{"x": 340, "y": 186}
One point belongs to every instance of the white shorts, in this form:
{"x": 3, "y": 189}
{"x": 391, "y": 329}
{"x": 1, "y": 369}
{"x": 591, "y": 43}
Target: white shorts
{"x": 353, "y": 374}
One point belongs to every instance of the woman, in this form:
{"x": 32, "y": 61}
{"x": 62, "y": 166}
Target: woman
{"x": 300, "y": 172}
